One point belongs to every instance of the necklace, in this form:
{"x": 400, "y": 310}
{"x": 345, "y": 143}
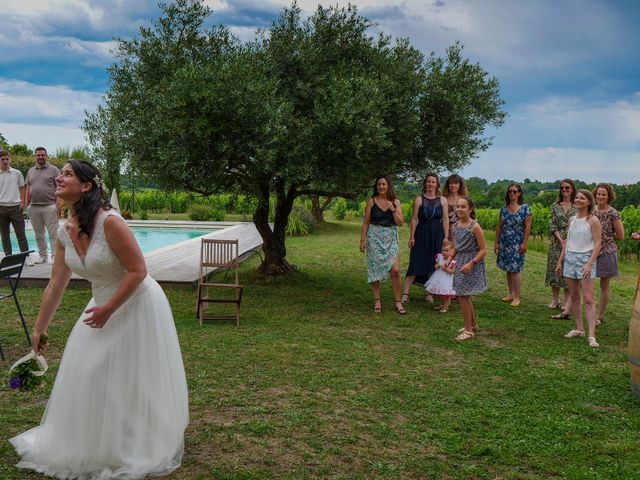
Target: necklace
{"x": 433, "y": 210}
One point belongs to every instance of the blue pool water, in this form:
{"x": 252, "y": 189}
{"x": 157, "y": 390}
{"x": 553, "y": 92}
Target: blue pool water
{"x": 149, "y": 238}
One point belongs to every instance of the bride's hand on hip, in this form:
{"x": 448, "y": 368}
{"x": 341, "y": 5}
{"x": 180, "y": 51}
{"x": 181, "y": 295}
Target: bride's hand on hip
{"x": 100, "y": 316}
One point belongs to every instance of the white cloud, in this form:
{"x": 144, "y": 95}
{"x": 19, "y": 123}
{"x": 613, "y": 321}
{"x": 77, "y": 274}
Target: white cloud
{"x": 49, "y": 136}
{"x": 572, "y": 121}
{"x": 553, "y": 163}
{"x": 26, "y": 102}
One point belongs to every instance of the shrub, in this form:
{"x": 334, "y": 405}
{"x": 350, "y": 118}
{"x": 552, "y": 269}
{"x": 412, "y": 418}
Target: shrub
{"x": 200, "y": 213}
{"x": 246, "y": 206}
{"x": 487, "y": 217}
{"x": 144, "y": 215}
{"x": 407, "y": 210}
{"x": 179, "y": 201}
{"x": 300, "y": 222}
{"x": 540, "y": 220}
{"x": 361, "y": 208}
{"x": 217, "y": 215}
{"x": 296, "y": 227}
{"x": 305, "y": 215}
{"x": 340, "y": 208}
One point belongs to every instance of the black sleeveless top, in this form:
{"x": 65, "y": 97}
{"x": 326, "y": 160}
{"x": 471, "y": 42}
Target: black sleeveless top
{"x": 380, "y": 217}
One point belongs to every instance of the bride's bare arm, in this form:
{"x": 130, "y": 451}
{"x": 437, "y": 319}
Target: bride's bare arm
{"x": 124, "y": 245}
{"x": 60, "y": 275}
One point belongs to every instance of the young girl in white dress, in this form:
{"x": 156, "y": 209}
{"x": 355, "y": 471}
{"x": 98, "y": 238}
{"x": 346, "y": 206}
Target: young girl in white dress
{"x": 119, "y": 405}
{"x": 440, "y": 284}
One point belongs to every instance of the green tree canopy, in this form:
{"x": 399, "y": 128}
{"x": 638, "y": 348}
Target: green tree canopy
{"x": 316, "y": 106}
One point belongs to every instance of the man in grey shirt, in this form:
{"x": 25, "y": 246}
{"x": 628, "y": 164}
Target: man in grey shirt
{"x": 11, "y": 204}
{"x": 42, "y": 203}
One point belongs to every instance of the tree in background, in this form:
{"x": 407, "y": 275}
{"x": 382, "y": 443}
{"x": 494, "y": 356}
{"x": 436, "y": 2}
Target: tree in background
{"x": 20, "y": 149}
{"x": 311, "y": 107}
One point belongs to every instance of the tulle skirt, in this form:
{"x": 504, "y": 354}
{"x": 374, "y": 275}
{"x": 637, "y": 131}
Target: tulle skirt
{"x": 119, "y": 405}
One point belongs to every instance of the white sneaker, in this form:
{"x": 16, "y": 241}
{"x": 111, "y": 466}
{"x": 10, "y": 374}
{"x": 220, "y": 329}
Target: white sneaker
{"x": 40, "y": 259}
{"x": 50, "y": 259}
{"x": 592, "y": 342}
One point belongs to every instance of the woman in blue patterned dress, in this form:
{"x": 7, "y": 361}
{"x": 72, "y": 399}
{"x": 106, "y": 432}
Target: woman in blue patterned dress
{"x": 379, "y": 238}
{"x": 512, "y": 236}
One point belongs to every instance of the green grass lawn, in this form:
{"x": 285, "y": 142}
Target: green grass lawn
{"x": 314, "y": 385}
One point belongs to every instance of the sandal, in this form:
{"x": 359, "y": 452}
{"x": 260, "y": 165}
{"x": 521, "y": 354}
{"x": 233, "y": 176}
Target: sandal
{"x": 592, "y": 342}
{"x": 475, "y": 328}
{"x": 429, "y": 298}
{"x": 574, "y": 333}
{"x": 399, "y": 308}
{"x": 508, "y": 298}
{"x": 377, "y": 306}
{"x": 443, "y": 310}
{"x": 405, "y": 298}
{"x": 465, "y": 335}
{"x": 515, "y": 303}
{"x": 553, "y": 305}
{"x": 561, "y": 316}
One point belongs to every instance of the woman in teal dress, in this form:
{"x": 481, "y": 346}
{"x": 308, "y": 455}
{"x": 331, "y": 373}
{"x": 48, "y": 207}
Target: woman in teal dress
{"x": 512, "y": 236}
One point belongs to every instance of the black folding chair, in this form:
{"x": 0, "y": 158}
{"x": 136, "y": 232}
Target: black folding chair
{"x": 10, "y": 270}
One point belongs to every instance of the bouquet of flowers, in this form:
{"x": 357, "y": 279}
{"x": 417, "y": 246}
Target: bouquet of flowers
{"x": 27, "y": 372}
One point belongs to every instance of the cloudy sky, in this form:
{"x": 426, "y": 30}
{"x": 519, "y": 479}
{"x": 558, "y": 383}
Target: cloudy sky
{"x": 569, "y": 71}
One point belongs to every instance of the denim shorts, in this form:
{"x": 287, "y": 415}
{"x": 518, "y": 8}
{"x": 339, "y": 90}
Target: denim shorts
{"x": 574, "y": 262}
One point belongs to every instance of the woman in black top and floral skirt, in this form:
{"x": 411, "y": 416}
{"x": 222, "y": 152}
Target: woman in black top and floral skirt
{"x": 379, "y": 238}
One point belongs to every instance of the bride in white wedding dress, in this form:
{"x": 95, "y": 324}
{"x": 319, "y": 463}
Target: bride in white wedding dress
{"x": 119, "y": 405}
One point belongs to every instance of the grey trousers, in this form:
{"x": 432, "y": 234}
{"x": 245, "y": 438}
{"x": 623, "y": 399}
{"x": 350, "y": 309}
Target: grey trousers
{"x": 12, "y": 216}
{"x": 44, "y": 217}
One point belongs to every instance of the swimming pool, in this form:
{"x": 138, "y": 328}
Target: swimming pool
{"x": 149, "y": 238}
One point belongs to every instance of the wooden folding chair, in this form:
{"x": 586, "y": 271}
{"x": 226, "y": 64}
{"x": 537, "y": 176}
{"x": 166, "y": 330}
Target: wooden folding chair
{"x": 10, "y": 270}
{"x": 214, "y": 255}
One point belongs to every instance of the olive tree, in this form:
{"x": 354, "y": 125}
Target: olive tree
{"x": 315, "y": 106}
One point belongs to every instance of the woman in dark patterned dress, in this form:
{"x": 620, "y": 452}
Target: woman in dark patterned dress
{"x": 512, "y": 236}
{"x": 470, "y": 277}
{"x": 429, "y": 226}
{"x": 454, "y": 188}
{"x": 561, "y": 211}
{"x": 612, "y": 230}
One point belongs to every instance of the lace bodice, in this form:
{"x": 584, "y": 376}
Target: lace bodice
{"x": 100, "y": 266}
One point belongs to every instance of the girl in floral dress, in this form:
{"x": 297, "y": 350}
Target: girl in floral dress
{"x": 470, "y": 277}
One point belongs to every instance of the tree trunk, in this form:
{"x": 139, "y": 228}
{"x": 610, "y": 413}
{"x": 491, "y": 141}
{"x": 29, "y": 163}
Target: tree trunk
{"x": 317, "y": 210}
{"x": 273, "y": 246}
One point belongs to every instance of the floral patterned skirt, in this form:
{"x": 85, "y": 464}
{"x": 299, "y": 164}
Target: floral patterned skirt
{"x": 382, "y": 251}
{"x": 551, "y": 279}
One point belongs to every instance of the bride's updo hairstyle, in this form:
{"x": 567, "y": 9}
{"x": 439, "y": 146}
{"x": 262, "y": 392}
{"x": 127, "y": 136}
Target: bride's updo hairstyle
{"x": 92, "y": 200}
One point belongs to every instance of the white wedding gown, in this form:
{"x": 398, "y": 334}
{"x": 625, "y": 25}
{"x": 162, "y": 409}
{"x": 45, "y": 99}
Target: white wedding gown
{"x": 119, "y": 405}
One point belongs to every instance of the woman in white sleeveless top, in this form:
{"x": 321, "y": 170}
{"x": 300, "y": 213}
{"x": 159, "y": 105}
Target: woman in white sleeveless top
{"x": 119, "y": 406}
{"x": 577, "y": 263}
